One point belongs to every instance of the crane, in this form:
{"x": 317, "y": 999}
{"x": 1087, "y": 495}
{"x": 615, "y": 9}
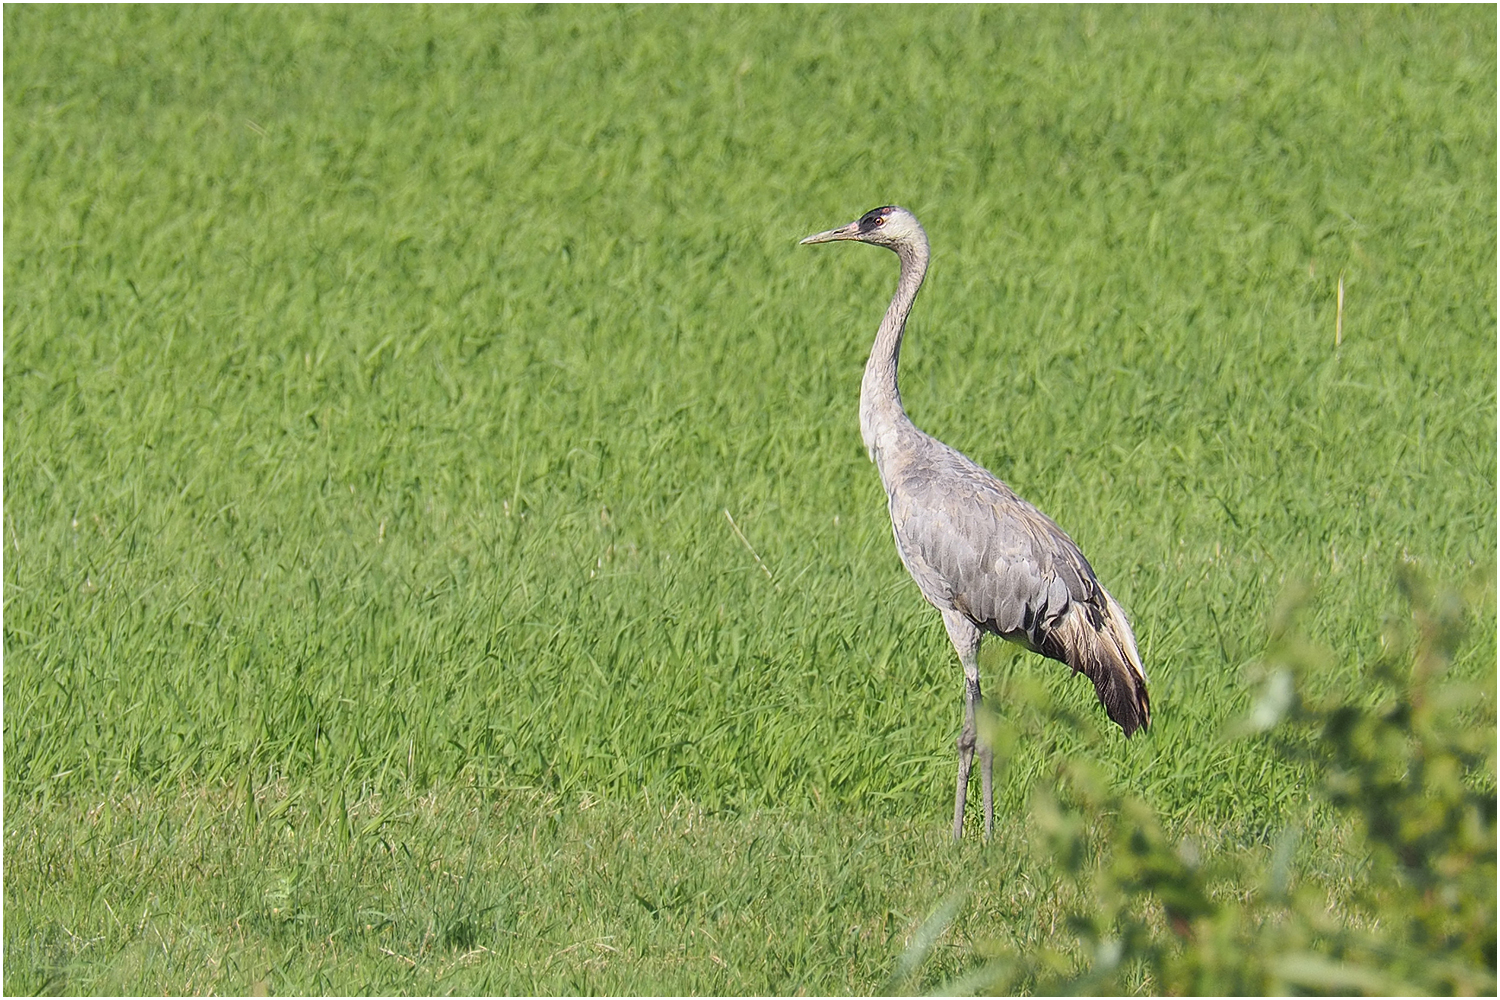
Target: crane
{"x": 985, "y": 558}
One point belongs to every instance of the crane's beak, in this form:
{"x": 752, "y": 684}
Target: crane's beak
{"x": 849, "y": 232}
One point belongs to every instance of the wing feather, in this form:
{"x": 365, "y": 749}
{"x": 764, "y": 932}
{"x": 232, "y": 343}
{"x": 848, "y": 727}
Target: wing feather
{"x": 974, "y": 546}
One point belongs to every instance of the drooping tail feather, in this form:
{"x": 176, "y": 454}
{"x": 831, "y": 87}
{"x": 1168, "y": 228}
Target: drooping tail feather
{"x": 1099, "y": 644}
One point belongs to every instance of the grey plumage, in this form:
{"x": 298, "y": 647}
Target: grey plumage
{"x": 986, "y": 559}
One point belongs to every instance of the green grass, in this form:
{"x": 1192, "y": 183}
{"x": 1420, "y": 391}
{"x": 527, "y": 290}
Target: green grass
{"x": 377, "y": 381}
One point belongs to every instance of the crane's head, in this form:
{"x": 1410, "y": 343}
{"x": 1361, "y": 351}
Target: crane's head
{"x": 892, "y": 226}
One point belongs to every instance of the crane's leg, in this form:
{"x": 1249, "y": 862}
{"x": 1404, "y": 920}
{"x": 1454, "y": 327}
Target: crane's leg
{"x": 986, "y": 774}
{"x": 965, "y": 638}
{"x": 966, "y": 740}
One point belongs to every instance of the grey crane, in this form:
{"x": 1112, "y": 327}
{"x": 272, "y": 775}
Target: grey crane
{"x": 986, "y": 559}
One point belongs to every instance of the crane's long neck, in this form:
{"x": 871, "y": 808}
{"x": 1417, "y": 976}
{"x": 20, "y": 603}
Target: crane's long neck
{"x": 881, "y": 417}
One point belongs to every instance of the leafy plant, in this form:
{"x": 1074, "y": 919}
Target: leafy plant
{"x": 1408, "y": 767}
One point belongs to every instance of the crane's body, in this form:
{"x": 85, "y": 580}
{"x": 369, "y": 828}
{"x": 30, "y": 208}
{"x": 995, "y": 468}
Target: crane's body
{"x": 985, "y": 558}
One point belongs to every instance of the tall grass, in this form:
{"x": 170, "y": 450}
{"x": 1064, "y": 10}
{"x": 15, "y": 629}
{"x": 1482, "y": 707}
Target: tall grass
{"x": 377, "y": 382}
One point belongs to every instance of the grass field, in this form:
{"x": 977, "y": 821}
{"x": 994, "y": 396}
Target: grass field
{"x": 377, "y": 383}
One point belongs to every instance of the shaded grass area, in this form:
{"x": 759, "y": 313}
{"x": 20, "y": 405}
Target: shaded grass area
{"x": 376, "y": 384}
{"x": 248, "y": 890}
{"x": 452, "y": 891}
